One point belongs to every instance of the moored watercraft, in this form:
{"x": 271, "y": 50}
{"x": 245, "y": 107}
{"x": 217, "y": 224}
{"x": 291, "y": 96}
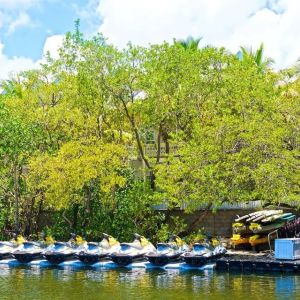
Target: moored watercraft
{"x": 168, "y": 252}
{"x": 29, "y": 250}
{"x": 8, "y": 247}
{"x": 130, "y": 252}
{"x": 94, "y": 252}
{"x": 203, "y": 254}
{"x": 61, "y": 251}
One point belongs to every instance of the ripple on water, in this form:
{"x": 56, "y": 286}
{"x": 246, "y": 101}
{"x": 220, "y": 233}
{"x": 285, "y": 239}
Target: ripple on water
{"x": 56, "y": 283}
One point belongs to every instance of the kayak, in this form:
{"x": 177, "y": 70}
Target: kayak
{"x": 237, "y": 239}
{"x": 240, "y": 228}
{"x": 238, "y": 219}
{"x": 276, "y": 217}
{"x": 257, "y": 240}
{"x": 259, "y": 228}
{"x": 268, "y": 214}
{"x": 263, "y": 213}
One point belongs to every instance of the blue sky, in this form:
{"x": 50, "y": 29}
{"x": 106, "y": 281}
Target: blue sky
{"x": 45, "y": 18}
{"x": 30, "y": 27}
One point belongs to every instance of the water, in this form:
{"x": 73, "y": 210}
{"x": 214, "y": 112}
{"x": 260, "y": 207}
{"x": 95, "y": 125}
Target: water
{"x": 43, "y": 283}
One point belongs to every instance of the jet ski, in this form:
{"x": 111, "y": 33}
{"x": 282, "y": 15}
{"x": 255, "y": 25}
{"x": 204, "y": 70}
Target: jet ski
{"x": 63, "y": 251}
{"x": 130, "y": 252}
{"x": 8, "y": 247}
{"x": 202, "y": 254}
{"x": 168, "y": 252}
{"x": 29, "y": 250}
{"x": 94, "y": 252}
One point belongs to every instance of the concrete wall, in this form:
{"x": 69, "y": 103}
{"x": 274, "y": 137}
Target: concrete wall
{"x": 218, "y": 223}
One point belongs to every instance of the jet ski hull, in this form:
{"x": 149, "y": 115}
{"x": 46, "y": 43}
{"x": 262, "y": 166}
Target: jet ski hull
{"x": 89, "y": 258}
{"x": 125, "y": 259}
{"x": 6, "y": 255}
{"x": 57, "y": 258}
{"x": 195, "y": 260}
{"x": 25, "y": 257}
{"x": 163, "y": 259}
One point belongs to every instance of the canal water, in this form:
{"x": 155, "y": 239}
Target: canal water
{"x": 44, "y": 283}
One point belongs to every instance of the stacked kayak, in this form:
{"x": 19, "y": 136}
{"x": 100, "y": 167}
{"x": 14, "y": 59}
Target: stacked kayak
{"x": 168, "y": 252}
{"x": 253, "y": 229}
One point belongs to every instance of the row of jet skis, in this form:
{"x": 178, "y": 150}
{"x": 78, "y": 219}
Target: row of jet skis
{"x": 141, "y": 249}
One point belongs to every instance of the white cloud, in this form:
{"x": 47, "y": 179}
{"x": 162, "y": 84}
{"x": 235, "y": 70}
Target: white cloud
{"x": 14, "y": 65}
{"x": 17, "y": 4}
{"x": 22, "y": 20}
{"x": 229, "y": 23}
{"x": 14, "y": 13}
{"x": 52, "y": 45}
{"x": 11, "y": 66}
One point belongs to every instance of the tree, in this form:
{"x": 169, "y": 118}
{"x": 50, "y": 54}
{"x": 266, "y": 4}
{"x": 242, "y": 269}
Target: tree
{"x": 190, "y": 43}
{"x": 257, "y": 57}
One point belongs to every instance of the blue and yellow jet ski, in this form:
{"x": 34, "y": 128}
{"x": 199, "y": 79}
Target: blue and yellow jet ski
{"x": 94, "y": 252}
{"x": 130, "y": 252}
{"x": 29, "y": 250}
{"x": 168, "y": 252}
{"x": 63, "y": 251}
{"x": 7, "y": 248}
{"x": 203, "y": 253}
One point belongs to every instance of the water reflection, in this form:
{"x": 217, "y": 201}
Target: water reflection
{"x": 58, "y": 283}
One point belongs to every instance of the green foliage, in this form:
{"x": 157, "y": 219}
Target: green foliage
{"x": 223, "y": 128}
{"x": 198, "y": 236}
{"x": 172, "y": 227}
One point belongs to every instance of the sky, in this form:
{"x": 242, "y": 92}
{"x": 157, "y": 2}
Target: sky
{"x": 30, "y": 28}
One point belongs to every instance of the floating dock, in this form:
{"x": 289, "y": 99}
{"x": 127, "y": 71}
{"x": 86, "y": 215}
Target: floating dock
{"x": 256, "y": 263}
{"x": 105, "y": 265}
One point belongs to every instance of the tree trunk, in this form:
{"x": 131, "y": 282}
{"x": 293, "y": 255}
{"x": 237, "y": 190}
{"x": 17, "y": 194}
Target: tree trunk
{"x": 17, "y": 198}
{"x": 29, "y": 218}
{"x": 158, "y": 153}
{"x": 136, "y": 133}
{"x": 75, "y": 216}
{"x": 40, "y": 209}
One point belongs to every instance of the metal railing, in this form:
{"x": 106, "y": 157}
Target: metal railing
{"x": 150, "y": 150}
{"x": 225, "y": 206}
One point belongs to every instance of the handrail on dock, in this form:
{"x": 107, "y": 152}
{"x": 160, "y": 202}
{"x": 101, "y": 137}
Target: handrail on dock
{"x": 269, "y": 237}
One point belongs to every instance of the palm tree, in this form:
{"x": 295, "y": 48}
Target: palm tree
{"x": 190, "y": 43}
{"x": 255, "y": 56}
